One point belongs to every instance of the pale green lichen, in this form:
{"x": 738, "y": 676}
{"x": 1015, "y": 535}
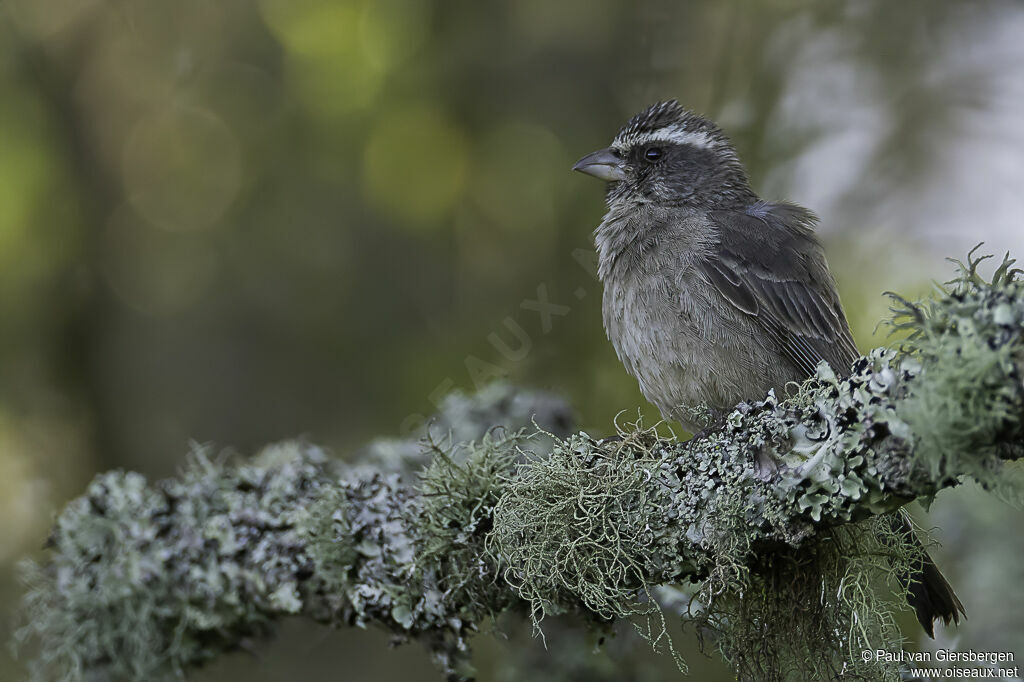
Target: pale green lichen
{"x": 144, "y": 582}
{"x": 327, "y": 534}
{"x": 462, "y": 418}
{"x": 574, "y": 523}
{"x": 965, "y": 411}
{"x": 594, "y": 525}
{"x": 431, "y": 538}
{"x": 808, "y": 613}
{"x": 458, "y": 491}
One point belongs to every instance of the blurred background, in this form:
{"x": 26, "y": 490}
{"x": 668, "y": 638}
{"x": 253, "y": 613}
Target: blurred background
{"x": 236, "y": 222}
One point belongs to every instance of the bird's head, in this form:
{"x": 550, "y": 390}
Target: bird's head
{"x": 667, "y": 155}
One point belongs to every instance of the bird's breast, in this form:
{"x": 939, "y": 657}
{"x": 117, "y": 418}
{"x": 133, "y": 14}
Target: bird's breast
{"x": 654, "y": 335}
{"x": 685, "y": 347}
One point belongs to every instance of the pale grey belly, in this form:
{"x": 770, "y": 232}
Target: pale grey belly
{"x": 690, "y": 351}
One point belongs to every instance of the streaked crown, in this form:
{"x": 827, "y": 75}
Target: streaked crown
{"x": 669, "y": 122}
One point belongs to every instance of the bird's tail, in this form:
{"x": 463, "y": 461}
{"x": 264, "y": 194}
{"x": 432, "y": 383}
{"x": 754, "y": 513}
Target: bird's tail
{"x": 928, "y": 591}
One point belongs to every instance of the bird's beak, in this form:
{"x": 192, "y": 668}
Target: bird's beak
{"x": 604, "y": 164}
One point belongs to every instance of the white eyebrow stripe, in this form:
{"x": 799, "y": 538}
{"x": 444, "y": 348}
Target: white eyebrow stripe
{"x": 675, "y": 135}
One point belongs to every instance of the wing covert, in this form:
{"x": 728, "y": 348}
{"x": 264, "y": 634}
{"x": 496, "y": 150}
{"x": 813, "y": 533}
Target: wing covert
{"x": 769, "y": 265}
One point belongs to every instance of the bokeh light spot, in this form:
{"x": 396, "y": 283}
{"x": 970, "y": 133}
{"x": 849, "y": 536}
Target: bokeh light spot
{"x": 326, "y": 60}
{"x": 415, "y": 165}
{"x": 330, "y": 89}
{"x": 24, "y": 171}
{"x": 27, "y": 175}
{"x": 390, "y": 31}
{"x": 314, "y": 28}
{"x": 248, "y": 98}
{"x": 182, "y": 168}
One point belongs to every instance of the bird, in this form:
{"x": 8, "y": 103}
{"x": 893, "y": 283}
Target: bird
{"x": 713, "y": 296}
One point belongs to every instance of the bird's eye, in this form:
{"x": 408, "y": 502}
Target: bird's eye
{"x": 653, "y": 153}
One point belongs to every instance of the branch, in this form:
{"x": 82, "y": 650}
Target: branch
{"x": 778, "y": 507}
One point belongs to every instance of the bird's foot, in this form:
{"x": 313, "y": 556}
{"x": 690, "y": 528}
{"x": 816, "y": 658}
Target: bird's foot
{"x": 715, "y": 421}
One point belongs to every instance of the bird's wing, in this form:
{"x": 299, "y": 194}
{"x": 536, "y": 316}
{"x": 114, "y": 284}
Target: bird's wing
{"x": 769, "y": 265}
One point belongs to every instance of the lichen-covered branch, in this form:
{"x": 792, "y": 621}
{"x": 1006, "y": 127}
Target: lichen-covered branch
{"x": 774, "y": 516}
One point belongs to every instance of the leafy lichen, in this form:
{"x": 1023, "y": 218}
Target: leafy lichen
{"x": 597, "y": 523}
{"x": 778, "y": 518}
{"x": 145, "y": 581}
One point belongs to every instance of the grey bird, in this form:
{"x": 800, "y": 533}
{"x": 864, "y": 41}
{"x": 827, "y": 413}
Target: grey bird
{"x": 713, "y": 296}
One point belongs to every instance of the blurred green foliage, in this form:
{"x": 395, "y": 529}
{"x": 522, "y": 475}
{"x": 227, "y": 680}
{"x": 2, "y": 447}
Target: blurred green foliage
{"x": 237, "y": 222}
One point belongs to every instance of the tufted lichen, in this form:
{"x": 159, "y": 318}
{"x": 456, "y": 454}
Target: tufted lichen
{"x": 145, "y": 581}
{"x": 967, "y": 416}
{"x": 773, "y": 530}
